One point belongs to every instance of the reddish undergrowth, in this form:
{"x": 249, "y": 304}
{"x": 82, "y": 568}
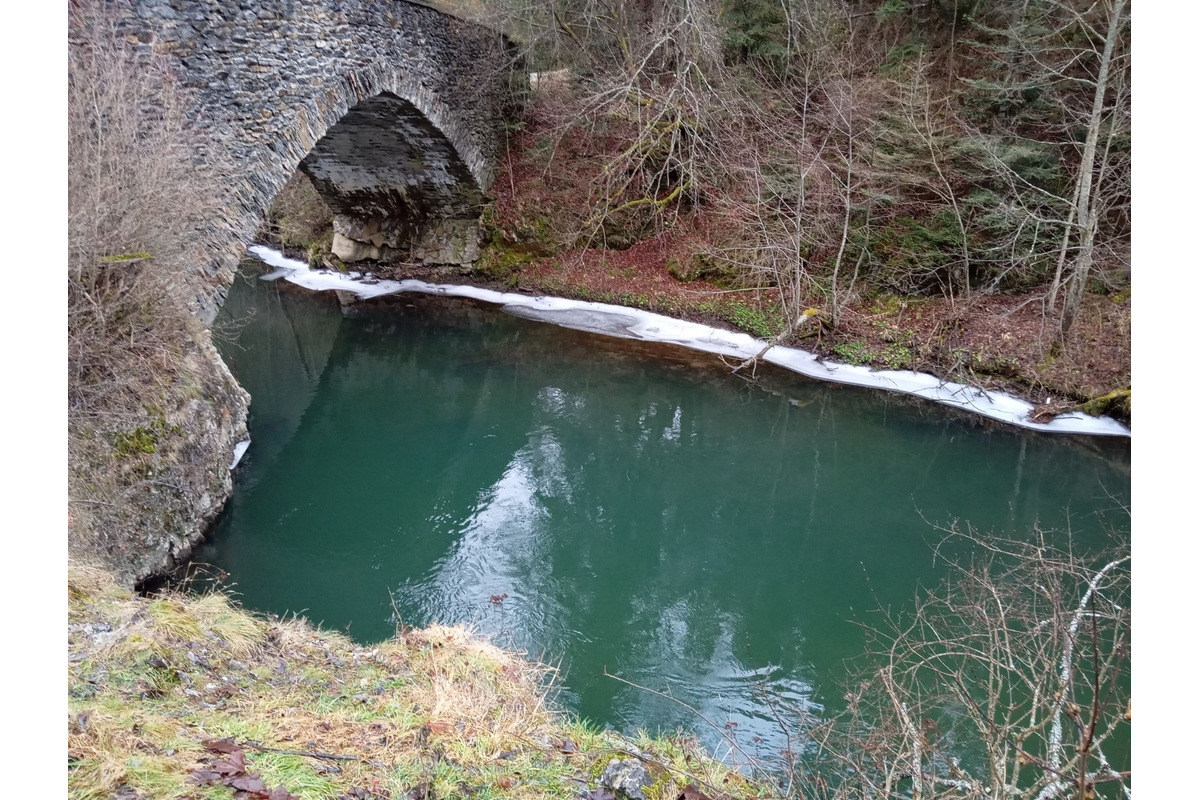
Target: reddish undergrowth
{"x": 540, "y": 244}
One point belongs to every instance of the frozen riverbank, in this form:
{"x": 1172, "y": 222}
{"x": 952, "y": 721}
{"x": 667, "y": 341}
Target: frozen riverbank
{"x": 631, "y": 323}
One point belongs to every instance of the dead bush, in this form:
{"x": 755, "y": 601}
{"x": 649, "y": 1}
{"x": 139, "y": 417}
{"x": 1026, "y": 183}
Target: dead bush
{"x": 299, "y": 217}
{"x": 134, "y": 201}
{"x": 1012, "y": 681}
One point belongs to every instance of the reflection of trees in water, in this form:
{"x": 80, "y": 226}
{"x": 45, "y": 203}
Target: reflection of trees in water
{"x": 644, "y": 511}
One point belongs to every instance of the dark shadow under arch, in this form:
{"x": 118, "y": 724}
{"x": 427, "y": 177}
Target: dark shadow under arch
{"x": 397, "y": 186}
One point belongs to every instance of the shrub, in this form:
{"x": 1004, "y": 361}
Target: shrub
{"x": 134, "y": 199}
{"x": 1012, "y": 680}
{"x": 134, "y": 202}
{"x": 299, "y": 216}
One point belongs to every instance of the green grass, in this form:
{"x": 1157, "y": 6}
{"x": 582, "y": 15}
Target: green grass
{"x": 896, "y": 356}
{"x": 760, "y": 322}
{"x": 856, "y": 353}
{"x": 435, "y": 707}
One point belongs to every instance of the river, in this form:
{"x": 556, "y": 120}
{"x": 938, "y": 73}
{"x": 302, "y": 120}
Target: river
{"x": 613, "y": 507}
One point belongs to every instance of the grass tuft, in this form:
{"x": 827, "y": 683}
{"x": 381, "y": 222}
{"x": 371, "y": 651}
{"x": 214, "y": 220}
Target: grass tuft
{"x": 151, "y": 680}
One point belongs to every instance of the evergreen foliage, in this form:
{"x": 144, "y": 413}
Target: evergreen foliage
{"x": 757, "y": 31}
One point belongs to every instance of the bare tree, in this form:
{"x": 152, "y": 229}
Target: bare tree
{"x": 1013, "y": 682}
{"x": 1094, "y": 161}
{"x": 663, "y": 93}
{"x": 1064, "y": 79}
{"x": 795, "y": 173}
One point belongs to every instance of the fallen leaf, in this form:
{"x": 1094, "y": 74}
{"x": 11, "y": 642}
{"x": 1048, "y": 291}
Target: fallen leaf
{"x": 205, "y": 776}
{"x": 221, "y": 745}
{"x": 692, "y": 792}
{"x": 506, "y": 782}
{"x": 438, "y": 726}
{"x": 280, "y": 793}
{"x": 568, "y": 746}
{"x": 234, "y": 765}
{"x": 252, "y": 784}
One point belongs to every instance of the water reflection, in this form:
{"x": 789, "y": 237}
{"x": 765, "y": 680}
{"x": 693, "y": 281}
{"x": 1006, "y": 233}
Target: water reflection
{"x": 499, "y": 554}
{"x": 614, "y": 508}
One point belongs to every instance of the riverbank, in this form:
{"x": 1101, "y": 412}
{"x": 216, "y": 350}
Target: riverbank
{"x": 190, "y": 696}
{"x": 872, "y": 288}
{"x": 987, "y": 340}
{"x": 742, "y": 349}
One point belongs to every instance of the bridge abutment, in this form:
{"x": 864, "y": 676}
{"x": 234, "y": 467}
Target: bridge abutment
{"x": 422, "y": 241}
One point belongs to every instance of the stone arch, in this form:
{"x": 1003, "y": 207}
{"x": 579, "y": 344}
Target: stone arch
{"x": 398, "y": 167}
{"x": 269, "y": 80}
{"x": 419, "y": 195}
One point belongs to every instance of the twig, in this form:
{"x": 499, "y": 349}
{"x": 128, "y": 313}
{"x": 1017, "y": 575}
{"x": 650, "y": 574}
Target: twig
{"x": 754, "y": 358}
{"x": 311, "y": 754}
{"x": 733, "y": 743}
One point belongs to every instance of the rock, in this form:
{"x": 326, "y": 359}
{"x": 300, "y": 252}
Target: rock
{"x": 627, "y": 777}
{"x": 148, "y": 528}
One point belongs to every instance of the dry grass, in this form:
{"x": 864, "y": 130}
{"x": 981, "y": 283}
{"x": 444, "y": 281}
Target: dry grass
{"x": 150, "y": 680}
{"x": 134, "y": 199}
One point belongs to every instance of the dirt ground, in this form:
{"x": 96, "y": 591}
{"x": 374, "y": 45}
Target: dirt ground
{"x": 991, "y": 341}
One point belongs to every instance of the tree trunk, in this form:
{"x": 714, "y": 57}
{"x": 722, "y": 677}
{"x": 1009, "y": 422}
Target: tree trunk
{"x": 1085, "y": 207}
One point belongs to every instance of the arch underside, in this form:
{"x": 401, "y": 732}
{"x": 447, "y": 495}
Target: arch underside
{"x": 397, "y": 186}
{"x": 406, "y": 105}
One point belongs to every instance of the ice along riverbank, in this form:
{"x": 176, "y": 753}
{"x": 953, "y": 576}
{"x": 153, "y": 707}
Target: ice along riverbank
{"x": 631, "y": 323}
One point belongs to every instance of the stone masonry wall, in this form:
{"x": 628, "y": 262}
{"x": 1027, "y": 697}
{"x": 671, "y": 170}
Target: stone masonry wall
{"x": 265, "y": 81}
{"x": 269, "y": 78}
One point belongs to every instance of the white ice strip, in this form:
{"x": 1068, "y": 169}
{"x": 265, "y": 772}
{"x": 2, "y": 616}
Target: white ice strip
{"x": 632, "y": 323}
{"x": 239, "y": 450}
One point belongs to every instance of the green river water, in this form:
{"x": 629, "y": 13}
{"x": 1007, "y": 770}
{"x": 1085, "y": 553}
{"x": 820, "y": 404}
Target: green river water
{"x": 609, "y": 506}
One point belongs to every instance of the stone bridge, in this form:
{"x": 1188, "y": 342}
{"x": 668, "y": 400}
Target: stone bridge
{"x": 394, "y": 108}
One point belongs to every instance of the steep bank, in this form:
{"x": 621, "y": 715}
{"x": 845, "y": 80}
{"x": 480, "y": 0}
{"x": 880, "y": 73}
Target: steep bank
{"x": 189, "y": 696}
{"x": 148, "y": 479}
